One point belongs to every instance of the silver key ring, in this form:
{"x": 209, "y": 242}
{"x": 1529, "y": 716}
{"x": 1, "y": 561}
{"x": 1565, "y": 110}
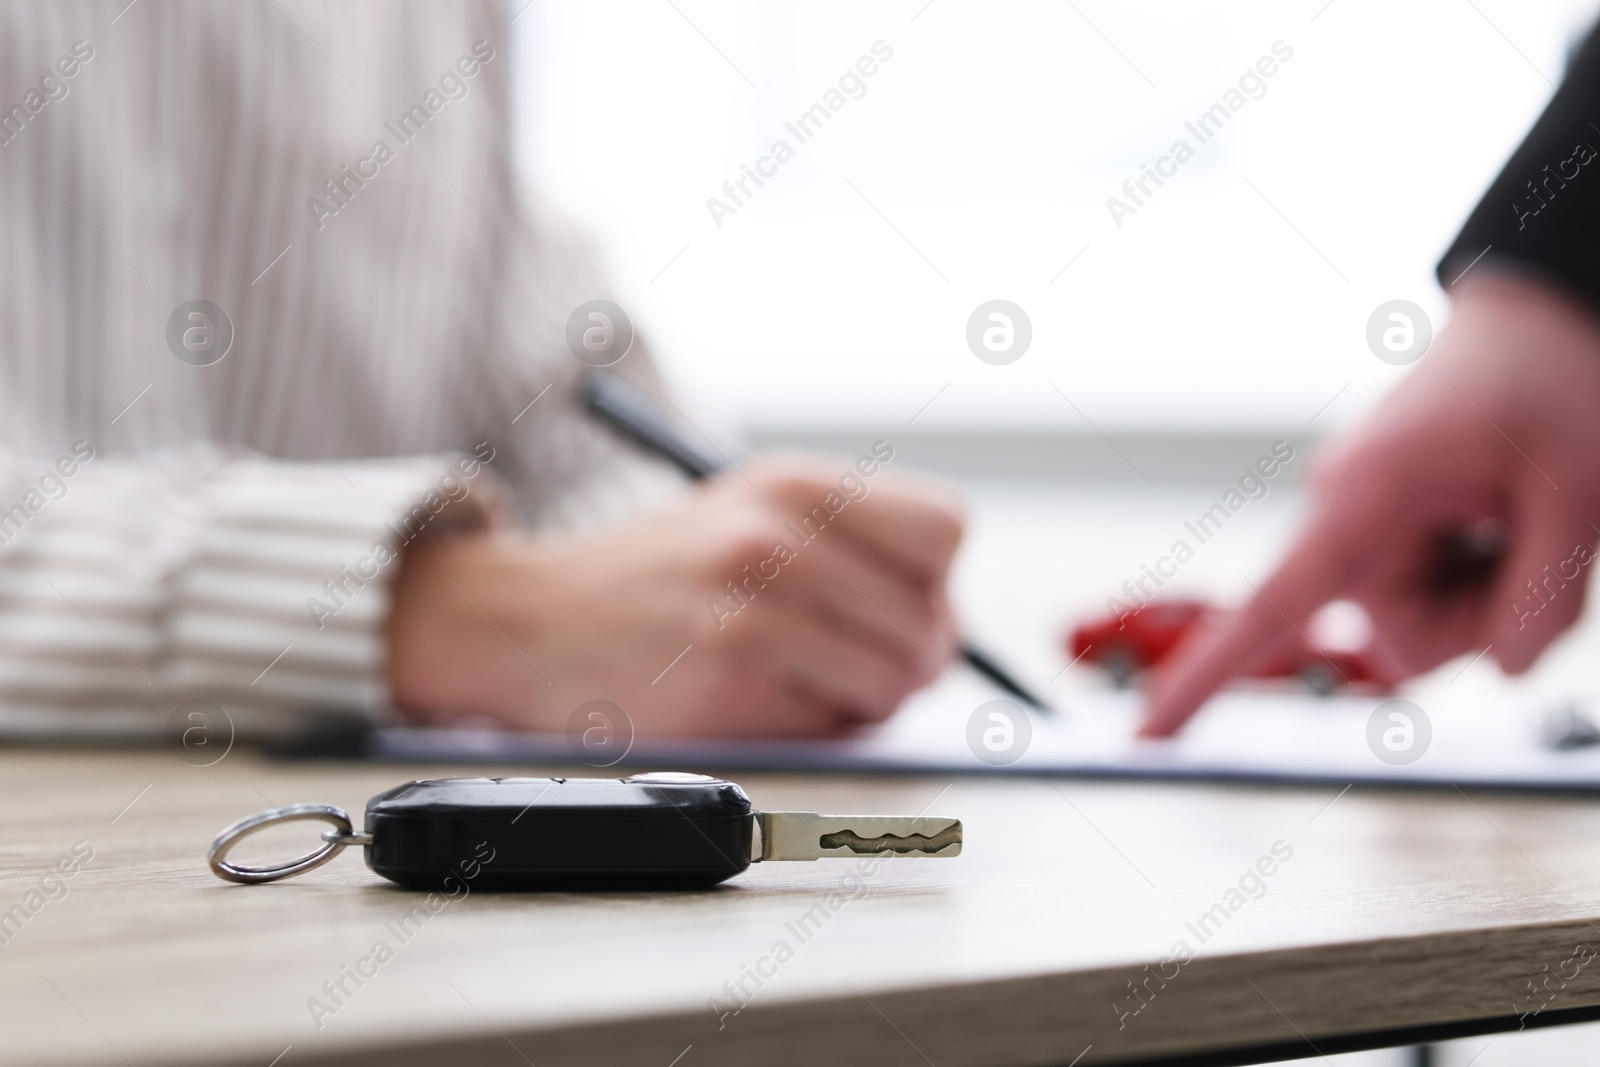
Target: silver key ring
{"x": 335, "y": 841}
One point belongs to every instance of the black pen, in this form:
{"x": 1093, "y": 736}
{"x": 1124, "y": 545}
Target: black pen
{"x": 631, "y": 412}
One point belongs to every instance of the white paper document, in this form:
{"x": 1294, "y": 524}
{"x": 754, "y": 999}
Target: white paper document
{"x": 1265, "y": 735}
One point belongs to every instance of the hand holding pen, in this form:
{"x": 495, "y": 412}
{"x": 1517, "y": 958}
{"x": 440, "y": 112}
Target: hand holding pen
{"x": 632, "y": 412}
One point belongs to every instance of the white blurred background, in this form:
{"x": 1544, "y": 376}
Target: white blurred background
{"x": 978, "y": 165}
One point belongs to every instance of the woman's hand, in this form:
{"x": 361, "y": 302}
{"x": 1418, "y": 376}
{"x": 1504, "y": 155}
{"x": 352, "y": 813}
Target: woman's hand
{"x": 799, "y": 602}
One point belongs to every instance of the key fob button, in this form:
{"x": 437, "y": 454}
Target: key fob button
{"x": 670, "y": 778}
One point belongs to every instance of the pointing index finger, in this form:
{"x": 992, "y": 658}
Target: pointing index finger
{"x": 1316, "y": 571}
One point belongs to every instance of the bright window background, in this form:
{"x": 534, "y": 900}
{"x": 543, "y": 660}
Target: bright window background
{"x": 990, "y": 142}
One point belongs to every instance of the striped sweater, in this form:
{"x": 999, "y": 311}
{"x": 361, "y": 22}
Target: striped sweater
{"x": 269, "y": 298}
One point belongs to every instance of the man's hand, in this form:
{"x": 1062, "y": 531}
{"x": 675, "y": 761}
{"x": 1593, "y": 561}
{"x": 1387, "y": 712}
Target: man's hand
{"x": 1498, "y": 428}
{"x": 693, "y": 620}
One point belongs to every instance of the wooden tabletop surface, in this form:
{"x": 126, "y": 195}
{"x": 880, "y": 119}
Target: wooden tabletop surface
{"x": 1243, "y": 916}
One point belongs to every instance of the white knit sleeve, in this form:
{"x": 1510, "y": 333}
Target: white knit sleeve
{"x": 129, "y": 587}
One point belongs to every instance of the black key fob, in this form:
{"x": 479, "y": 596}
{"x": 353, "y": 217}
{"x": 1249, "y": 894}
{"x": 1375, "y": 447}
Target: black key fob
{"x": 661, "y": 830}
{"x": 666, "y": 830}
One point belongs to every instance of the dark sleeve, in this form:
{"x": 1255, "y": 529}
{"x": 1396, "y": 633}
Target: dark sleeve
{"x": 1542, "y": 214}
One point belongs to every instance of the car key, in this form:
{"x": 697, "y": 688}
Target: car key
{"x": 659, "y": 830}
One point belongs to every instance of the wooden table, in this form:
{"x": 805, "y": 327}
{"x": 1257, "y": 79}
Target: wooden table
{"x": 1382, "y": 912}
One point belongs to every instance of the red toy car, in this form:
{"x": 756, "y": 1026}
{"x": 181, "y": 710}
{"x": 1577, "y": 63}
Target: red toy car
{"x": 1124, "y": 645}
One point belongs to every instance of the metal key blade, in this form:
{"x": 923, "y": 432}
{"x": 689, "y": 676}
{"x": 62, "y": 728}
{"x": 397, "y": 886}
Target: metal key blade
{"x": 805, "y": 835}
